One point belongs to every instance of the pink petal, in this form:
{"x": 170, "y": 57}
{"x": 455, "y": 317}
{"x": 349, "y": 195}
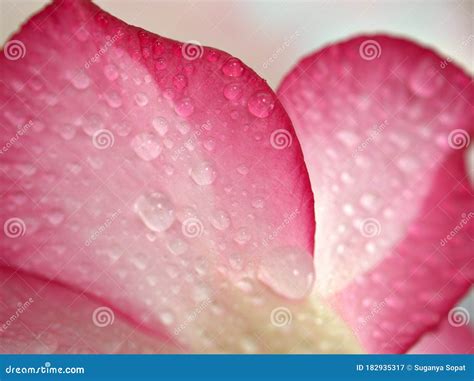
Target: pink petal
{"x": 384, "y": 125}
{"x": 446, "y": 339}
{"x": 38, "y": 316}
{"x": 151, "y": 174}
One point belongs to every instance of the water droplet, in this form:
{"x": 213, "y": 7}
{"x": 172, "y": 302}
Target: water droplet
{"x": 161, "y": 125}
{"x": 122, "y": 129}
{"x": 232, "y": 91}
{"x": 160, "y": 63}
{"x": 113, "y": 99}
{"x": 146, "y": 146}
{"x": 261, "y": 104}
{"x": 155, "y": 210}
{"x": 258, "y": 203}
{"x": 180, "y": 81}
{"x": 242, "y": 236}
{"x": 111, "y": 72}
{"x": 233, "y": 68}
{"x": 426, "y": 79}
{"x": 81, "y": 81}
{"x": 184, "y": 108}
{"x": 243, "y": 170}
{"x": 167, "y": 318}
{"x": 177, "y": 246}
{"x": 220, "y": 220}
{"x": 203, "y": 173}
{"x": 55, "y": 217}
{"x": 141, "y": 99}
{"x": 288, "y": 271}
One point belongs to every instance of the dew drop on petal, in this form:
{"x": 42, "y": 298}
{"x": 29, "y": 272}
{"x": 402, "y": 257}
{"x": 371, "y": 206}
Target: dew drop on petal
{"x": 261, "y": 104}
{"x": 146, "y": 146}
{"x": 232, "y": 91}
{"x": 155, "y": 210}
{"x": 184, "y": 108}
{"x": 233, "y": 68}
{"x": 81, "y": 81}
{"x": 220, "y": 220}
{"x": 141, "y": 99}
{"x": 203, "y": 173}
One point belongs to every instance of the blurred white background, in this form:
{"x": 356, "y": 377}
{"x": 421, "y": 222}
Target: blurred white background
{"x": 254, "y": 31}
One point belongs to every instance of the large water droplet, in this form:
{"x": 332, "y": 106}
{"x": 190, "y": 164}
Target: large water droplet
{"x": 232, "y": 91}
{"x": 220, "y": 220}
{"x": 155, "y": 210}
{"x": 233, "y": 68}
{"x": 111, "y": 72}
{"x": 203, "y": 173}
{"x": 184, "y": 108}
{"x": 141, "y": 99}
{"x": 146, "y": 146}
{"x": 81, "y": 81}
{"x": 261, "y": 104}
{"x": 288, "y": 271}
{"x": 161, "y": 125}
